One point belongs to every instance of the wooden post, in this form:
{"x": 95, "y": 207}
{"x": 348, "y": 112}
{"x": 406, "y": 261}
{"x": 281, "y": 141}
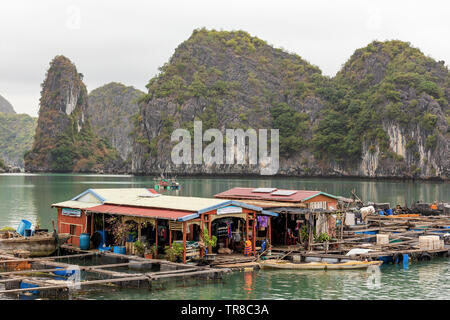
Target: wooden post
{"x": 156, "y": 238}
{"x": 170, "y": 237}
{"x": 202, "y": 221}
{"x": 92, "y": 223}
{"x": 246, "y": 228}
{"x": 269, "y": 230}
{"x": 184, "y": 242}
{"x": 254, "y": 233}
{"x": 286, "y": 228}
{"x": 139, "y": 229}
{"x": 209, "y": 232}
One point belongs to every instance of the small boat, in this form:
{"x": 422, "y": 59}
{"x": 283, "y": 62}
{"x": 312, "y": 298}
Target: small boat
{"x": 282, "y": 264}
{"x": 166, "y": 184}
{"x": 38, "y": 245}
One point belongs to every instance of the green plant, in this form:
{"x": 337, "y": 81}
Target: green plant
{"x": 139, "y": 247}
{"x": 304, "y": 233}
{"x": 153, "y": 250}
{"x": 119, "y": 229}
{"x": 7, "y": 229}
{"x": 174, "y": 252}
{"x": 207, "y": 240}
{"x": 323, "y": 237}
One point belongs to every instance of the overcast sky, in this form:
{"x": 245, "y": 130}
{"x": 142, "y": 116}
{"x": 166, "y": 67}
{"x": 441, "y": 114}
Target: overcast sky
{"x": 126, "y": 41}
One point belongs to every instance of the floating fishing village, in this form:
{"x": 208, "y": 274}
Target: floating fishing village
{"x": 141, "y": 238}
{"x": 211, "y": 159}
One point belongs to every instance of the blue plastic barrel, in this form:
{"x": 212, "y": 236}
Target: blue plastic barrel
{"x": 27, "y": 233}
{"x": 103, "y": 238}
{"x": 64, "y": 272}
{"x": 119, "y": 249}
{"x": 405, "y": 261}
{"x": 381, "y": 212}
{"x": 389, "y": 212}
{"x": 24, "y": 224}
{"x": 85, "y": 241}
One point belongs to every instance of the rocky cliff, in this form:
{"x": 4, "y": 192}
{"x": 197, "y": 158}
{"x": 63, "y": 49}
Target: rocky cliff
{"x": 110, "y": 111}
{"x": 64, "y": 140}
{"x": 385, "y": 114}
{"x": 5, "y": 106}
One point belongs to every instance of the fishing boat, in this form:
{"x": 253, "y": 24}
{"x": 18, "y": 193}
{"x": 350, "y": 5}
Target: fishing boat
{"x": 167, "y": 184}
{"x": 39, "y": 245}
{"x": 282, "y": 264}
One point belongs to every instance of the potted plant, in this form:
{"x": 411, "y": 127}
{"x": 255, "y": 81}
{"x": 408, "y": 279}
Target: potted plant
{"x": 120, "y": 231}
{"x": 175, "y": 252}
{"x": 150, "y": 253}
{"x": 208, "y": 242}
{"x": 139, "y": 248}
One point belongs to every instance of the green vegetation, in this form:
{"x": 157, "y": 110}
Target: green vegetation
{"x": 234, "y": 80}
{"x": 16, "y": 136}
{"x": 2, "y": 164}
{"x": 175, "y": 252}
{"x": 66, "y": 143}
{"x": 357, "y": 104}
{"x": 292, "y": 125}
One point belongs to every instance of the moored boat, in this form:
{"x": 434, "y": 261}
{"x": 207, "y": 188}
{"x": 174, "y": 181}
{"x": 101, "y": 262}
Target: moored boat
{"x": 349, "y": 265}
{"x": 39, "y": 245}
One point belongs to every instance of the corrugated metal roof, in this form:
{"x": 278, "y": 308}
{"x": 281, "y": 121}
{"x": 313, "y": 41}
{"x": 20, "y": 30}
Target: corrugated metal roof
{"x": 74, "y": 204}
{"x": 144, "y": 212}
{"x": 247, "y": 193}
{"x": 141, "y": 197}
{"x": 133, "y": 197}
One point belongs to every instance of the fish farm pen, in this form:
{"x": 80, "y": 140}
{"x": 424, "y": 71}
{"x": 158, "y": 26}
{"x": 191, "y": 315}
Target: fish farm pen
{"x": 50, "y": 277}
{"x": 241, "y": 229}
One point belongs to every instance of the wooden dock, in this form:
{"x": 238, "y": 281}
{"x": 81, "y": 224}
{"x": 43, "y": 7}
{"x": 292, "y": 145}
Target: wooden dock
{"x": 41, "y": 275}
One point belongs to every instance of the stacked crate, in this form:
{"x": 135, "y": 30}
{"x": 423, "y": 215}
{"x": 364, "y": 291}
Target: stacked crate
{"x": 382, "y": 239}
{"x": 430, "y": 243}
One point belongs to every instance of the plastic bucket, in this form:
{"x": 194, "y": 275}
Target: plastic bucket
{"x": 119, "y": 249}
{"x": 64, "y": 272}
{"x": 24, "y": 224}
{"x": 27, "y": 233}
{"x": 389, "y": 212}
{"x": 25, "y": 285}
{"x": 85, "y": 241}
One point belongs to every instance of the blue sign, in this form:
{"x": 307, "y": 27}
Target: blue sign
{"x": 71, "y": 212}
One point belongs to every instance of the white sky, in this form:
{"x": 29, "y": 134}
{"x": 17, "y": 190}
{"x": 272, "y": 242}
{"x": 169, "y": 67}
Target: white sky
{"x": 126, "y": 41}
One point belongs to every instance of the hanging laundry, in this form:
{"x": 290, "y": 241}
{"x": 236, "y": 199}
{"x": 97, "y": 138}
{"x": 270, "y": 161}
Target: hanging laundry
{"x": 229, "y": 230}
{"x": 263, "y": 221}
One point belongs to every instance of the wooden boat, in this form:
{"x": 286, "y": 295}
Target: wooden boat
{"x": 40, "y": 245}
{"x": 282, "y": 264}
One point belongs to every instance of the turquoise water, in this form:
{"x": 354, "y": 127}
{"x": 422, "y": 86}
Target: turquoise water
{"x": 29, "y": 196}
{"x": 425, "y": 280}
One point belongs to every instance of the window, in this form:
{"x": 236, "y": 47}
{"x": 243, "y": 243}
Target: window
{"x": 73, "y": 229}
{"x": 318, "y": 205}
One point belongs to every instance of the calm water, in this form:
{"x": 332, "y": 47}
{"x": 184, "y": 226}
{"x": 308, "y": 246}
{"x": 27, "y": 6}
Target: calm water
{"x": 29, "y": 196}
{"x": 427, "y": 280}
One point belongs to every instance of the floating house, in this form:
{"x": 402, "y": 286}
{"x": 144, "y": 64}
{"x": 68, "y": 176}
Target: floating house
{"x": 273, "y": 197}
{"x": 162, "y": 220}
{"x": 295, "y": 208}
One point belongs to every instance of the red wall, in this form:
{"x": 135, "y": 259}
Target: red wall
{"x": 79, "y": 225}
